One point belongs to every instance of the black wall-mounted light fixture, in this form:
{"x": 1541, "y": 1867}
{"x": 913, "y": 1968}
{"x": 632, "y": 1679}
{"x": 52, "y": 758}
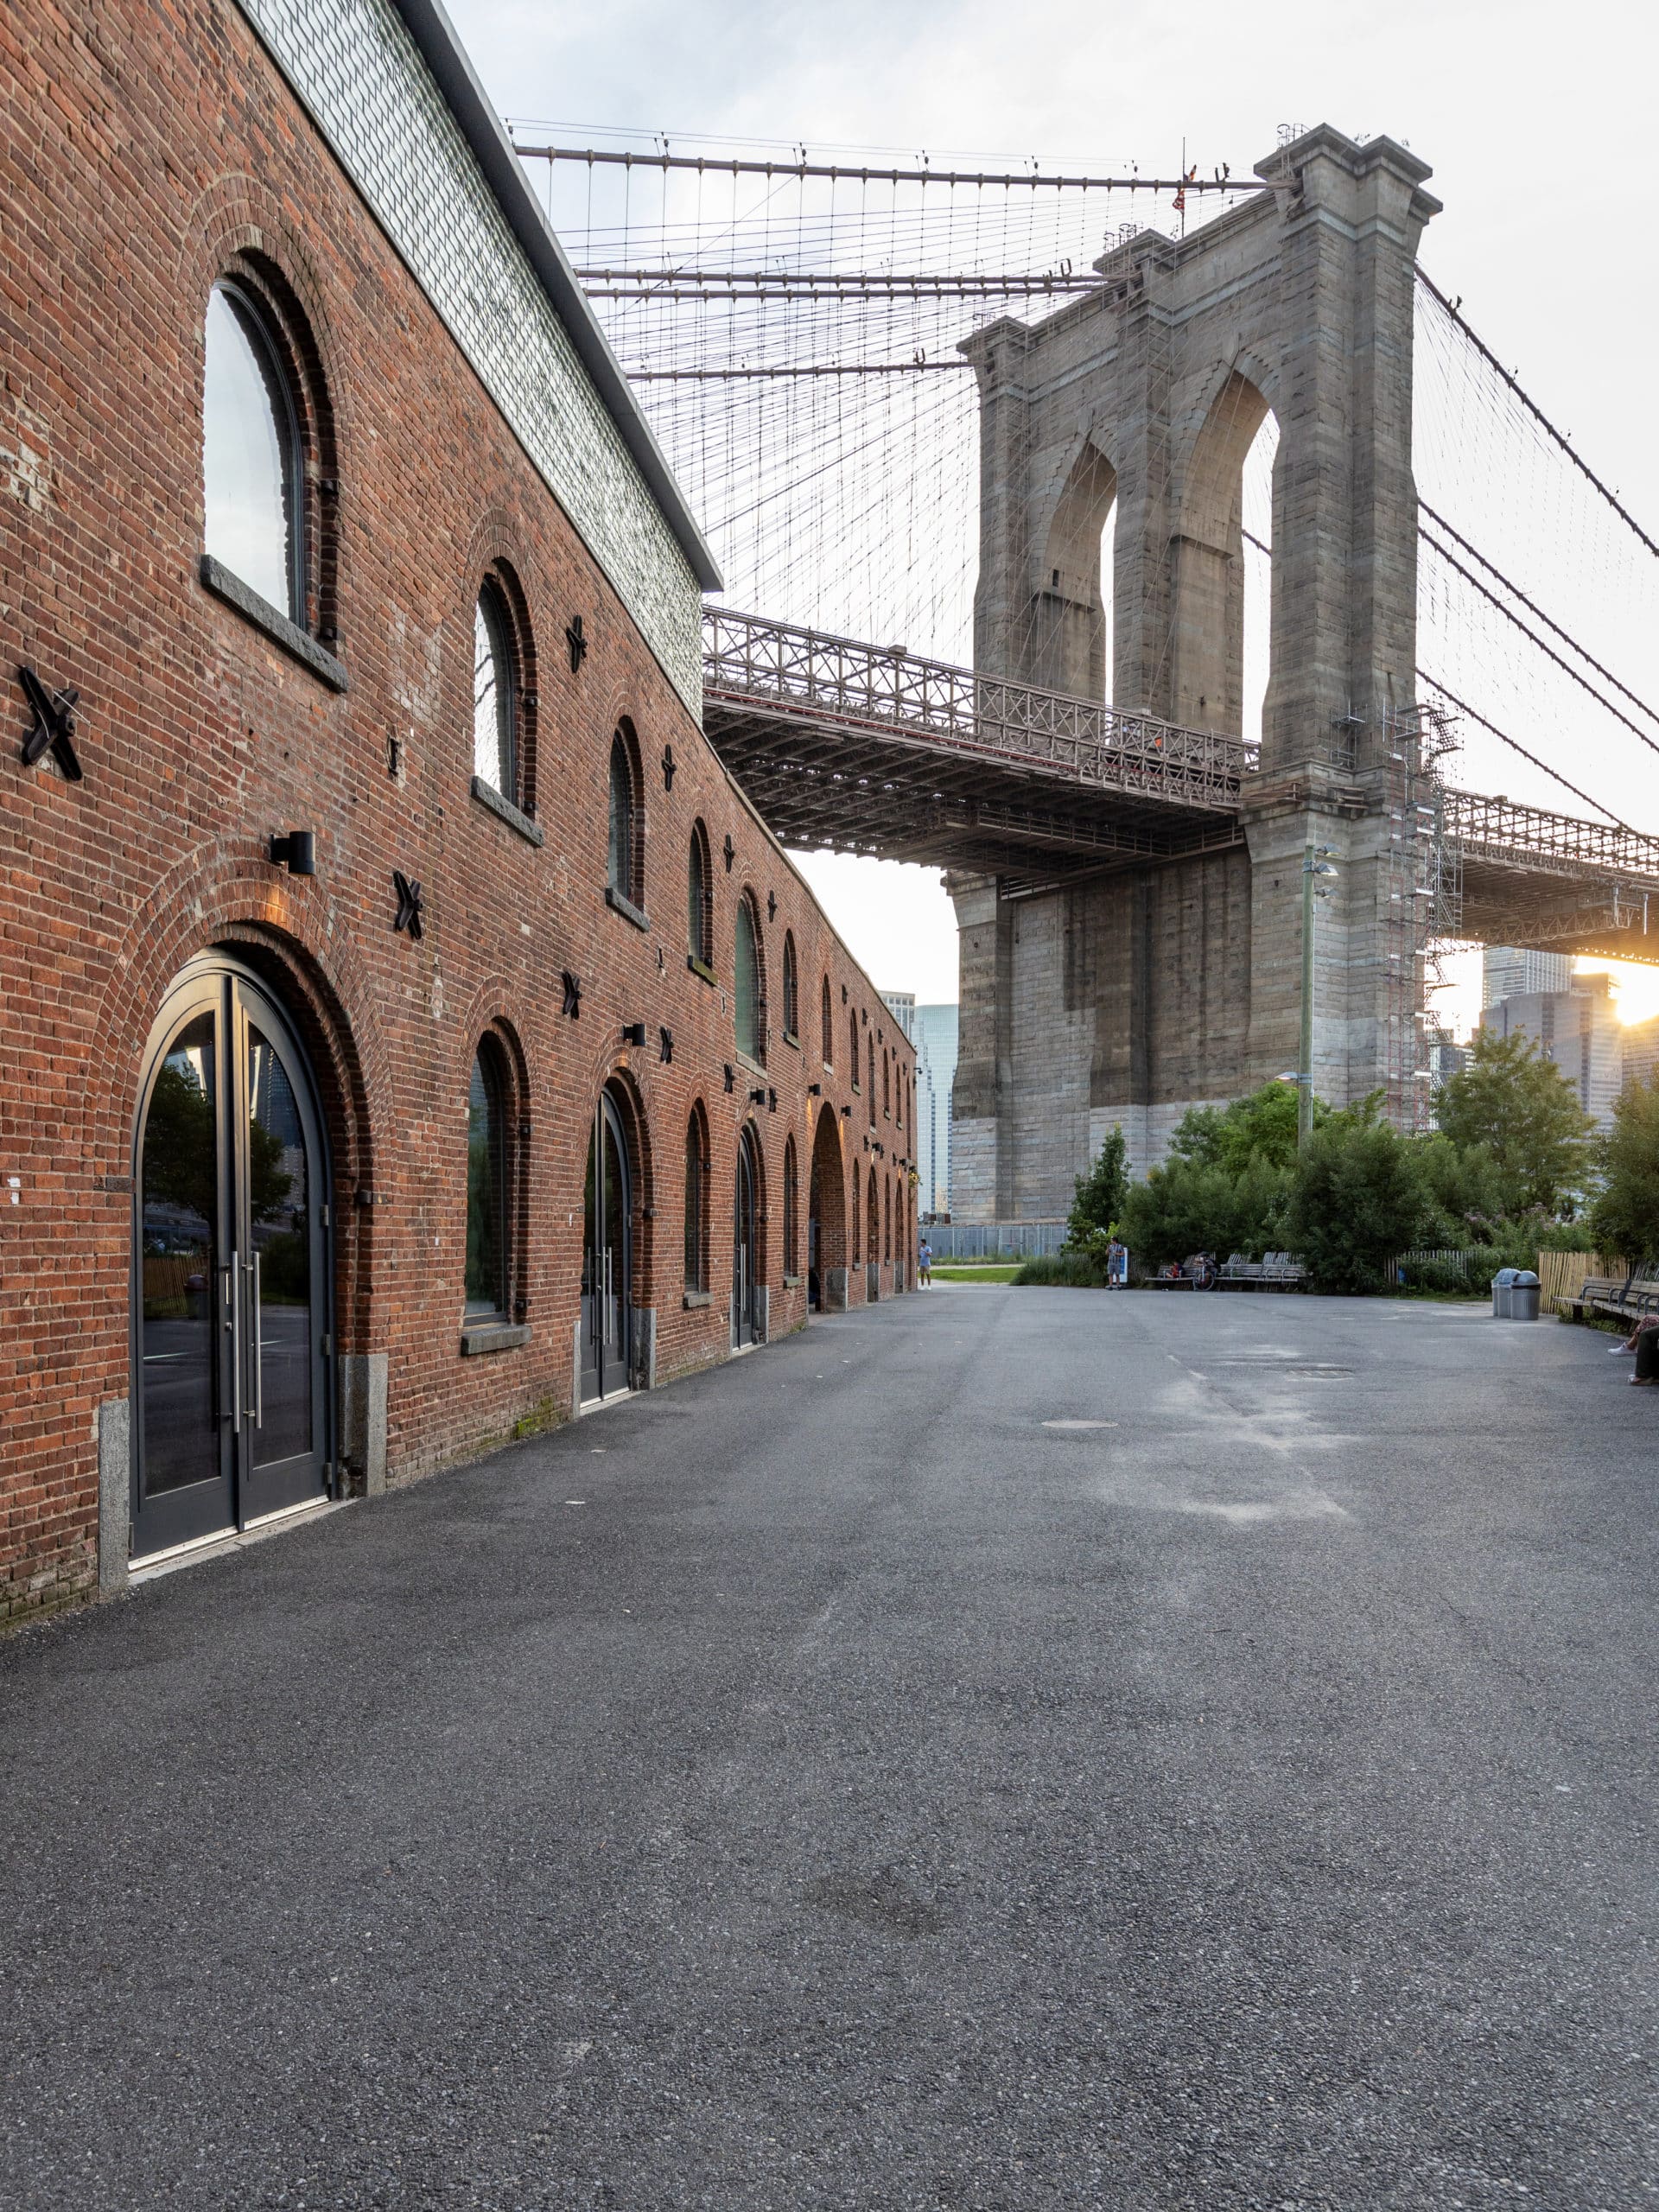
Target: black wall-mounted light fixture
{"x": 846, "y": 1113}
{"x": 297, "y": 851}
{"x": 55, "y": 723}
{"x": 757, "y": 1097}
{"x": 815, "y": 1090}
{"x": 407, "y": 916}
{"x": 633, "y": 1033}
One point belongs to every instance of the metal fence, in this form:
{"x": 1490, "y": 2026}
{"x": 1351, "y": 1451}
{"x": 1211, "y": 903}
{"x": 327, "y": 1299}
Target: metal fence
{"x": 994, "y": 1240}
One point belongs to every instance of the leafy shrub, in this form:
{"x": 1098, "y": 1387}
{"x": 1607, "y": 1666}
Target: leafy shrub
{"x": 1072, "y": 1270}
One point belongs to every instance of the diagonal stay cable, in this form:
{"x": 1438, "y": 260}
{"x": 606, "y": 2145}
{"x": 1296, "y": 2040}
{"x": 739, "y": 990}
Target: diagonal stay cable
{"x": 1534, "y": 409}
{"x": 1504, "y": 736}
{"x": 1566, "y": 636}
{"x": 1548, "y": 651}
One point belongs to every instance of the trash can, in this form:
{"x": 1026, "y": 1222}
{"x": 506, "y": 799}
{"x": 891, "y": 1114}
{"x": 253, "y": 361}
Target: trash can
{"x": 1503, "y": 1294}
{"x": 1525, "y": 1293}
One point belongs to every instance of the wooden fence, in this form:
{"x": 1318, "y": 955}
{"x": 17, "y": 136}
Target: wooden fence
{"x": 1562, "y": 1274}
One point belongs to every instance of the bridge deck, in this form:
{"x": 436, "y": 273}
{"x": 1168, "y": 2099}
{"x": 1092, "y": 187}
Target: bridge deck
{"x": 873, "y": 749}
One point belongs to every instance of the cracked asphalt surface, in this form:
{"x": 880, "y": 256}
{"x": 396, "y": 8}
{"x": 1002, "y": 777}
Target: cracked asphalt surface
{"x": 998, "y": 1749}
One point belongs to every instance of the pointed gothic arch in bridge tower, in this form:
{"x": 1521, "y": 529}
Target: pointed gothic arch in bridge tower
{"x": 1129, "y": 991}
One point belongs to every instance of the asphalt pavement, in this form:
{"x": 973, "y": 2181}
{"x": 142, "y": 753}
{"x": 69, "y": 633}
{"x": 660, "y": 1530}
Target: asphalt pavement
{"x": 998, "y": 1749}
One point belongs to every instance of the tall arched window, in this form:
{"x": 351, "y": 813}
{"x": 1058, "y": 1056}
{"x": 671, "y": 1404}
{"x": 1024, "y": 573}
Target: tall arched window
{"x": 792, "y": 992}
{"x": 827, "y": 1023}
{"x": 887, "y": 1083}
{"x": 873, "y": 1242}
{"x": 699, "y": 898}
{"x": 852, "y": 1047}
{"x": 746, "y": 981}
{"x": 622, "y": 870}
{"x": 696, "y": 1201}
{"x": 869, "y": 1043}
{"x": 887, "y": 1218}
{"x": 486, "y": 1184}
{"x": 898, "y": 1097}
{"x": 791, "y": 1210}
{"x": 251, "y": 453}
{"x": 858, "y": 1244}
{"x": 495, "y": 702}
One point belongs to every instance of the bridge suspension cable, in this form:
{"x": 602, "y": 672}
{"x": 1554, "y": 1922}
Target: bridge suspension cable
{"x": 1463, "y": 708}
{"x": 1033, "y": 180}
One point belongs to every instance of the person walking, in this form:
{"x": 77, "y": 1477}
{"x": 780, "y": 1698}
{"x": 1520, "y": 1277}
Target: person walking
{"x": 924, "y": 1266}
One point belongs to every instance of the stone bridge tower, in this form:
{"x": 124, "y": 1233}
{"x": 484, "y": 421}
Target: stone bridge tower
{"x": 1131, "y": 994}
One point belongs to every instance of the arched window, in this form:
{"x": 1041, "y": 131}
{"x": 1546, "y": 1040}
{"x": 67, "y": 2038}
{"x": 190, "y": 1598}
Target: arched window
{"x": 873, "y": 1242}
{"x": 826, "y": 1023}
{"x": 495, "y": 693}
{"x": 699, "y": 898}
{"x": 746, "y": 981}
{"x": 869, "y": 1043}
{"x": 696, "y": 1202}
{"x": 887, "y": 1083}
{"x": 624, "y": 863}
{"x": 791, "y": 1210}
{"x": 792, "y": 993}
{"x": 858, "y": 1242}
{"x": 252, "y": 456}
{"x": 899, "y": 1096}
{"x": 488, "y": 1165}
{"x": 852, "y": 1047}
{"x": 887, "y": 1218}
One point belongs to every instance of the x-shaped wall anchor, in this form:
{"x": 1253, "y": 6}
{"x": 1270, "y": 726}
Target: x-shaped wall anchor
{"x": 577, "y": 643}
{"x": 730, "y": 851}
{"x": 670, "y": 764}
{"x": 572, "y": 994}
{"x": 408, "y": 903}
{"x": 54, "y": 722}
{"x": 771, "y": 905}
{"x": 666, "y": 1051}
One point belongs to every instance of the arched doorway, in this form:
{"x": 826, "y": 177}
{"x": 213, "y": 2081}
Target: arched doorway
{"x": 746, "y": 1251}
{"x": 607, "y": 1258}
{"x": 826, "y": 1221}
{"x": 232, "y": 1267}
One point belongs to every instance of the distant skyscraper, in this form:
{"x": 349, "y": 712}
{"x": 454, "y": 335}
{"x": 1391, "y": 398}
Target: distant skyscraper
{"x": 901, "y": 1005}
{"x": 1641, "y": 1042}
{"x": 935, "y": 1039}
{"x": 1507, "y": 972}
{"x": 1578, "y": 1028}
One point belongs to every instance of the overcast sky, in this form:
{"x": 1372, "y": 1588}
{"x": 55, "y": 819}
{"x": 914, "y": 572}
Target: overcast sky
{"x": 1535, "y": 119}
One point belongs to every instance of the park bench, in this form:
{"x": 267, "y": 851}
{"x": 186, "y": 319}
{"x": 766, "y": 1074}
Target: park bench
{"x": 1627, "y": 1300}
{"x": 1273, "y": 1271}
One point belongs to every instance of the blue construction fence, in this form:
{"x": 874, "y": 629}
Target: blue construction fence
{"x": 994, "y": 1240}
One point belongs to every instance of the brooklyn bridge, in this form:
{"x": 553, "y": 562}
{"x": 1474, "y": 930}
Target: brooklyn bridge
{"x": 1185, "y": 493}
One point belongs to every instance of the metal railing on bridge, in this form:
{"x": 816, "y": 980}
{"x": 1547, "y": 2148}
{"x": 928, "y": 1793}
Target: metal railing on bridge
{"x": 811, "y": 676}
{"x": 1501, "y": 830}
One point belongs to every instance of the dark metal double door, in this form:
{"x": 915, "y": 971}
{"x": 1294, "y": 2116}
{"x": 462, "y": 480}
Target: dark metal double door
{"x": 232, "y": 1399}
{"x": 745, "y": 1302}
{"x": 606, "y": 1288}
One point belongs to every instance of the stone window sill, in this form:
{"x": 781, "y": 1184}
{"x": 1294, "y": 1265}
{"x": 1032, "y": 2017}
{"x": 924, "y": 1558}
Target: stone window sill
{"x": 493, "y": 1336}
{"x": 695, "y": 1298}
{"x": 504, "y": 810}
{"x": 747, "y": 1066}
{"x": 791, "y": 1040}
{"x": 225, "y": 584}
{"x": 792, "y": 1282}
{"x": 700, "y": 968}
{"x": 626, "y": 907}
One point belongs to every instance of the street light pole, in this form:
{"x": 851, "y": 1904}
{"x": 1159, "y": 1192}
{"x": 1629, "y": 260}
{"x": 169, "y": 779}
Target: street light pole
{"x": 1305, "y": 1056}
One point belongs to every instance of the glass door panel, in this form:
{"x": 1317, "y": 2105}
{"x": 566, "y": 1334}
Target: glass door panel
{"x": 280, "y": 1237}
{"x": 184, "y": 1297}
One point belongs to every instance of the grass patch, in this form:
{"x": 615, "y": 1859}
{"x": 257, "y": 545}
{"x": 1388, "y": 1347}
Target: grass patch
{"x": 975, "y": 1275}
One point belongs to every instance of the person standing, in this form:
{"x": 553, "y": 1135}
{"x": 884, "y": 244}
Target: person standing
{"x": 1117, "y": 1264}
{"x": 924, "y": 1265}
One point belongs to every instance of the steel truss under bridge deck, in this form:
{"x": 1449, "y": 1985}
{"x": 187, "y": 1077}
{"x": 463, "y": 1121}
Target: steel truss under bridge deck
{"x": 1553, "y": 881}
{"x": 872, "y": 749}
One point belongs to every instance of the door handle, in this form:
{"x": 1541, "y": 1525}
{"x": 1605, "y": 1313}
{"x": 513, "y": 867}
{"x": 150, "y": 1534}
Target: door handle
{"x": 234, "y": 1290}
{"x": 258, "y": 1348}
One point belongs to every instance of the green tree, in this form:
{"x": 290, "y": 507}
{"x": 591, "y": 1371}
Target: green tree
{"x": 1517, "y": 1107}
{"x": 1625, "y": 1216}
{"x": 1189, "y": 1206}
{"x": 1358, "y": 1196}
{"x": 1263, "y": 1125}
{"x": 1097, "y": 1204}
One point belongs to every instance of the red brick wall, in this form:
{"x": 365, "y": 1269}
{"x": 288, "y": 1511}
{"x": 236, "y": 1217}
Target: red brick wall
{"x": 141, "y": 152}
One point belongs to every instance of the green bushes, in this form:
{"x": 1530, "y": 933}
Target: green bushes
{"x": 1073, "y": 1270}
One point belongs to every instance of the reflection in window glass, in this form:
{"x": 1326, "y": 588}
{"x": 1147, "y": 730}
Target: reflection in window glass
{"x": 694, "y": 1181}
{"x": 492, "y": 761}
{"x": 486, "y": 1242}
{"x": 748, "y": 984}
{"x": 696, "y": 895}
{"x": 279, "y": 1196}
{"x": 248, "y": 455}
{"x": 181, "y": 1300}
{"x": 620, "y": 861}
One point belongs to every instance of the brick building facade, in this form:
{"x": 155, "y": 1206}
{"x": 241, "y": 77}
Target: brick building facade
{"x": 315, "y": 1181}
